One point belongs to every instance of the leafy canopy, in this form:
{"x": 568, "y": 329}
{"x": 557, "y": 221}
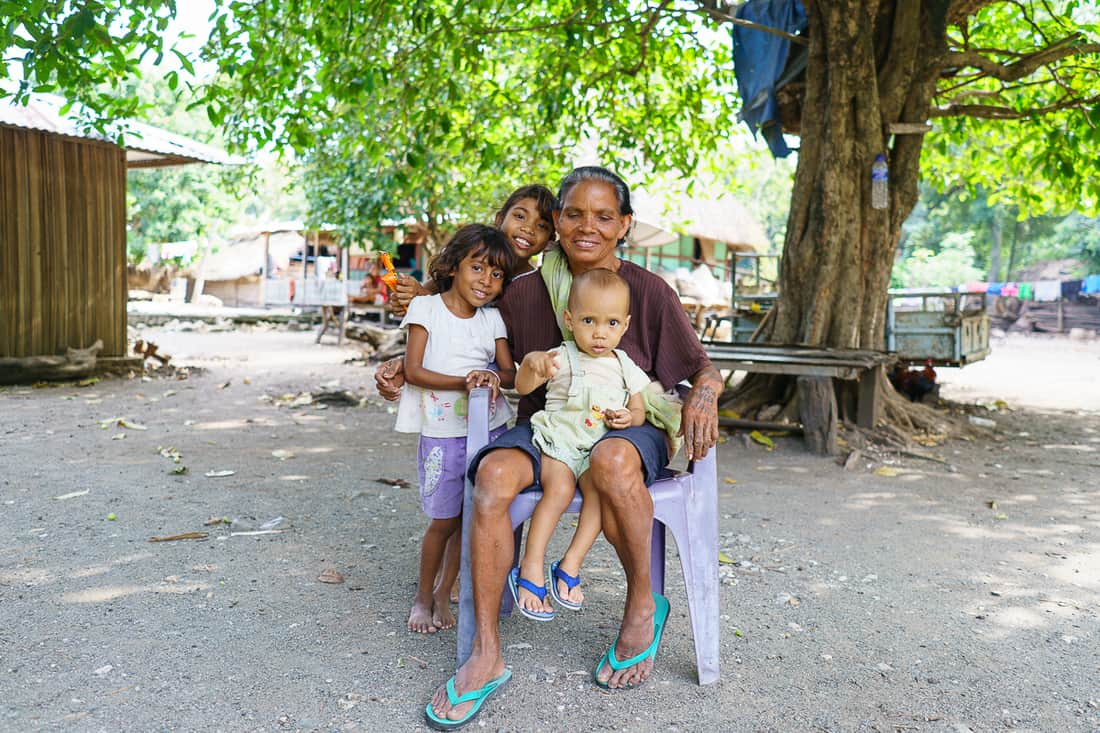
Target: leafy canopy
{"x": 1017, "y": 110}
{"x": 86, "y": 50}
{"x": 420, "y": 106}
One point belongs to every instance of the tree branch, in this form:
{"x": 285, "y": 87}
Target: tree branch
{"x": 571, "y": 19}
{"x": 960, "y": 10}
{"x": 1068, "y": 46}
{"x": 715, "y": 10}
{"x": 643, "y": 35}
{"x": 991, "y": 112}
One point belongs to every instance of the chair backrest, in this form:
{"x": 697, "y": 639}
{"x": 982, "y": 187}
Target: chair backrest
{"x": 477, "y": 427}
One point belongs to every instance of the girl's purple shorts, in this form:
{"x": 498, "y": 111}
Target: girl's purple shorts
{"x": 441, "y": 466}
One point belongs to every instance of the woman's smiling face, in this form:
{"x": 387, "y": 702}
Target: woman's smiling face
{"x": 589, "y": 225}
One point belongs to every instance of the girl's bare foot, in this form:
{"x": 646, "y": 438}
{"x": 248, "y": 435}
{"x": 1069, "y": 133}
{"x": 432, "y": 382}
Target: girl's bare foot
{"x": 420, "y": 617}
{"x": 442, "y": 618}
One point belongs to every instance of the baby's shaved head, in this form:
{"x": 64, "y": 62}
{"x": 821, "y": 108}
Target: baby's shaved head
{"x": 597, "y": 280}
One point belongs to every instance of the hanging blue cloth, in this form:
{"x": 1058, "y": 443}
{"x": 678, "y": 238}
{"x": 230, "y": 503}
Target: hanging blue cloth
{"x": 1091, "y": 285}
{"x": 759, "y": 58}
{"x": 994, "y": 288}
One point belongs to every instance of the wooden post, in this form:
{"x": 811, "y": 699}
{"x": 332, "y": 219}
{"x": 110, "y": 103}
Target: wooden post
{"x": 266, "y": 269}
{"x": 867, "y": 407}
{"x": 817, "y": 408}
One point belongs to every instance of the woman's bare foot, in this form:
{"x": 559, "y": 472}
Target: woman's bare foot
{"x": 473, "y": 675}
{"x": 635, "y": 636}
{"x": 420, "y": 617}
{"x": 442, "y": 618}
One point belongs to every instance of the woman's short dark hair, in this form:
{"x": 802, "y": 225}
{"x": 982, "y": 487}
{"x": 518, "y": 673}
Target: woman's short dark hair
{"x": 544, "y": 202}
{"x": 597, "y": 173}
{"x": 472, "y": 239}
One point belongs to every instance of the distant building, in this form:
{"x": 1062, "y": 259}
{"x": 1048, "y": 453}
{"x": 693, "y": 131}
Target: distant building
{"x": 63, "y": 226}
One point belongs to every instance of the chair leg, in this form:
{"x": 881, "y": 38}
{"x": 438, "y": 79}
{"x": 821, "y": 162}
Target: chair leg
{"x": 657, "y": 558}
{"x": 697, "y": 541}
{"x": 466, "y": 623}
{"x": 506, "y": 602}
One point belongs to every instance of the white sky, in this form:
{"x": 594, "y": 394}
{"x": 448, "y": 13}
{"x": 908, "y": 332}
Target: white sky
{"x": 192, "y": 17}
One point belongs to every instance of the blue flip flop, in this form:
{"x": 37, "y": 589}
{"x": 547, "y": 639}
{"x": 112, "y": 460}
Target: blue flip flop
{"x": 515, "y": 583}
{"x": 660, "y": 617}
{"x": 571, "y": 582}
{"x": 437, "y": 723}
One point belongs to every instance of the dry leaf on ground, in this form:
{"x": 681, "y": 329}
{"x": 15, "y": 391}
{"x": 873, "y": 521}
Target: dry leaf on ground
{"x": 330, "y": 575}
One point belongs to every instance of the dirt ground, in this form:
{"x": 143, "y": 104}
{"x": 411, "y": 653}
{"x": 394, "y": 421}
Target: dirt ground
{"x": 906, "y": 595}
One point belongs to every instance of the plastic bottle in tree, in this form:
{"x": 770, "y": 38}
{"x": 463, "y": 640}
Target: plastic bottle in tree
{"x": 880, "y": 175}
{"x": 390, "y": 275}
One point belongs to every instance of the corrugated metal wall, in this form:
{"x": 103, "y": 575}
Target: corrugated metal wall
{"x": 62, "y": 244}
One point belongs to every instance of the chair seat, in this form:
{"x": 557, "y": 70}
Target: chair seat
{"x": 685, "y": 504}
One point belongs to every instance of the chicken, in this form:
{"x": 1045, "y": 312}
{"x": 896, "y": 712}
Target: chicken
{"x": 914, "y": 383}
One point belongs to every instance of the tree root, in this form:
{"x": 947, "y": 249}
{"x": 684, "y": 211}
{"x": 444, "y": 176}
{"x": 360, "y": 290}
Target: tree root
{"x": 774, "y": 398}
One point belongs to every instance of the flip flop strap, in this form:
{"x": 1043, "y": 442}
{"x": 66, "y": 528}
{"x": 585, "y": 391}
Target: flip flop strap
{"x": 617, "y": 665}
{"x": 658, "y": 629}
{"x": 456, "y": 699}
{"x": 537, "y": 590}
{"x": 571, "y": 581}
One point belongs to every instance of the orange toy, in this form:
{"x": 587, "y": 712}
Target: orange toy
{"x": 390, "y": 275}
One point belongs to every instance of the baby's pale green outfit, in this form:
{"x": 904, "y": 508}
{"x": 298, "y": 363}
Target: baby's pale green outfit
{"x": 577, "y": 396}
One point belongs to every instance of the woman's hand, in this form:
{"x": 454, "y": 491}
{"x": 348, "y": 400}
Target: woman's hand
{"x": 389, "y": 377}
{"x": 484, "y": 378}
{"x": 699, "y": 418}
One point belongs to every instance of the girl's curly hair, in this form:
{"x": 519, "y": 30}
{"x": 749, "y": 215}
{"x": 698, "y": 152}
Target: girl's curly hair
{"x": 472, "y": 239}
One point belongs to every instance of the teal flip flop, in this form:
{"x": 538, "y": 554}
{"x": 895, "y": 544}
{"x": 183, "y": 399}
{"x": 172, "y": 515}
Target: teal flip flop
{"x": 660, "y": 618}
{"x": 437, "y": 723}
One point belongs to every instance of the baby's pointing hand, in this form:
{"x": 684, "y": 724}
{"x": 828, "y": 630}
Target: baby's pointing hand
{"x": 543, "y": 363}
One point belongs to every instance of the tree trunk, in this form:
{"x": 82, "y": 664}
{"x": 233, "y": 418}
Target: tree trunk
{"x": 871, "y": 64}
{"x": 1014, "y": 250}
{"x": 995, "y": 234}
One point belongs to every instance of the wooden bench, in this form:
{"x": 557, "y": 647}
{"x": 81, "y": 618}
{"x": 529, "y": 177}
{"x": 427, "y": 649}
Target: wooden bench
{"x": 864, "y": 367}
